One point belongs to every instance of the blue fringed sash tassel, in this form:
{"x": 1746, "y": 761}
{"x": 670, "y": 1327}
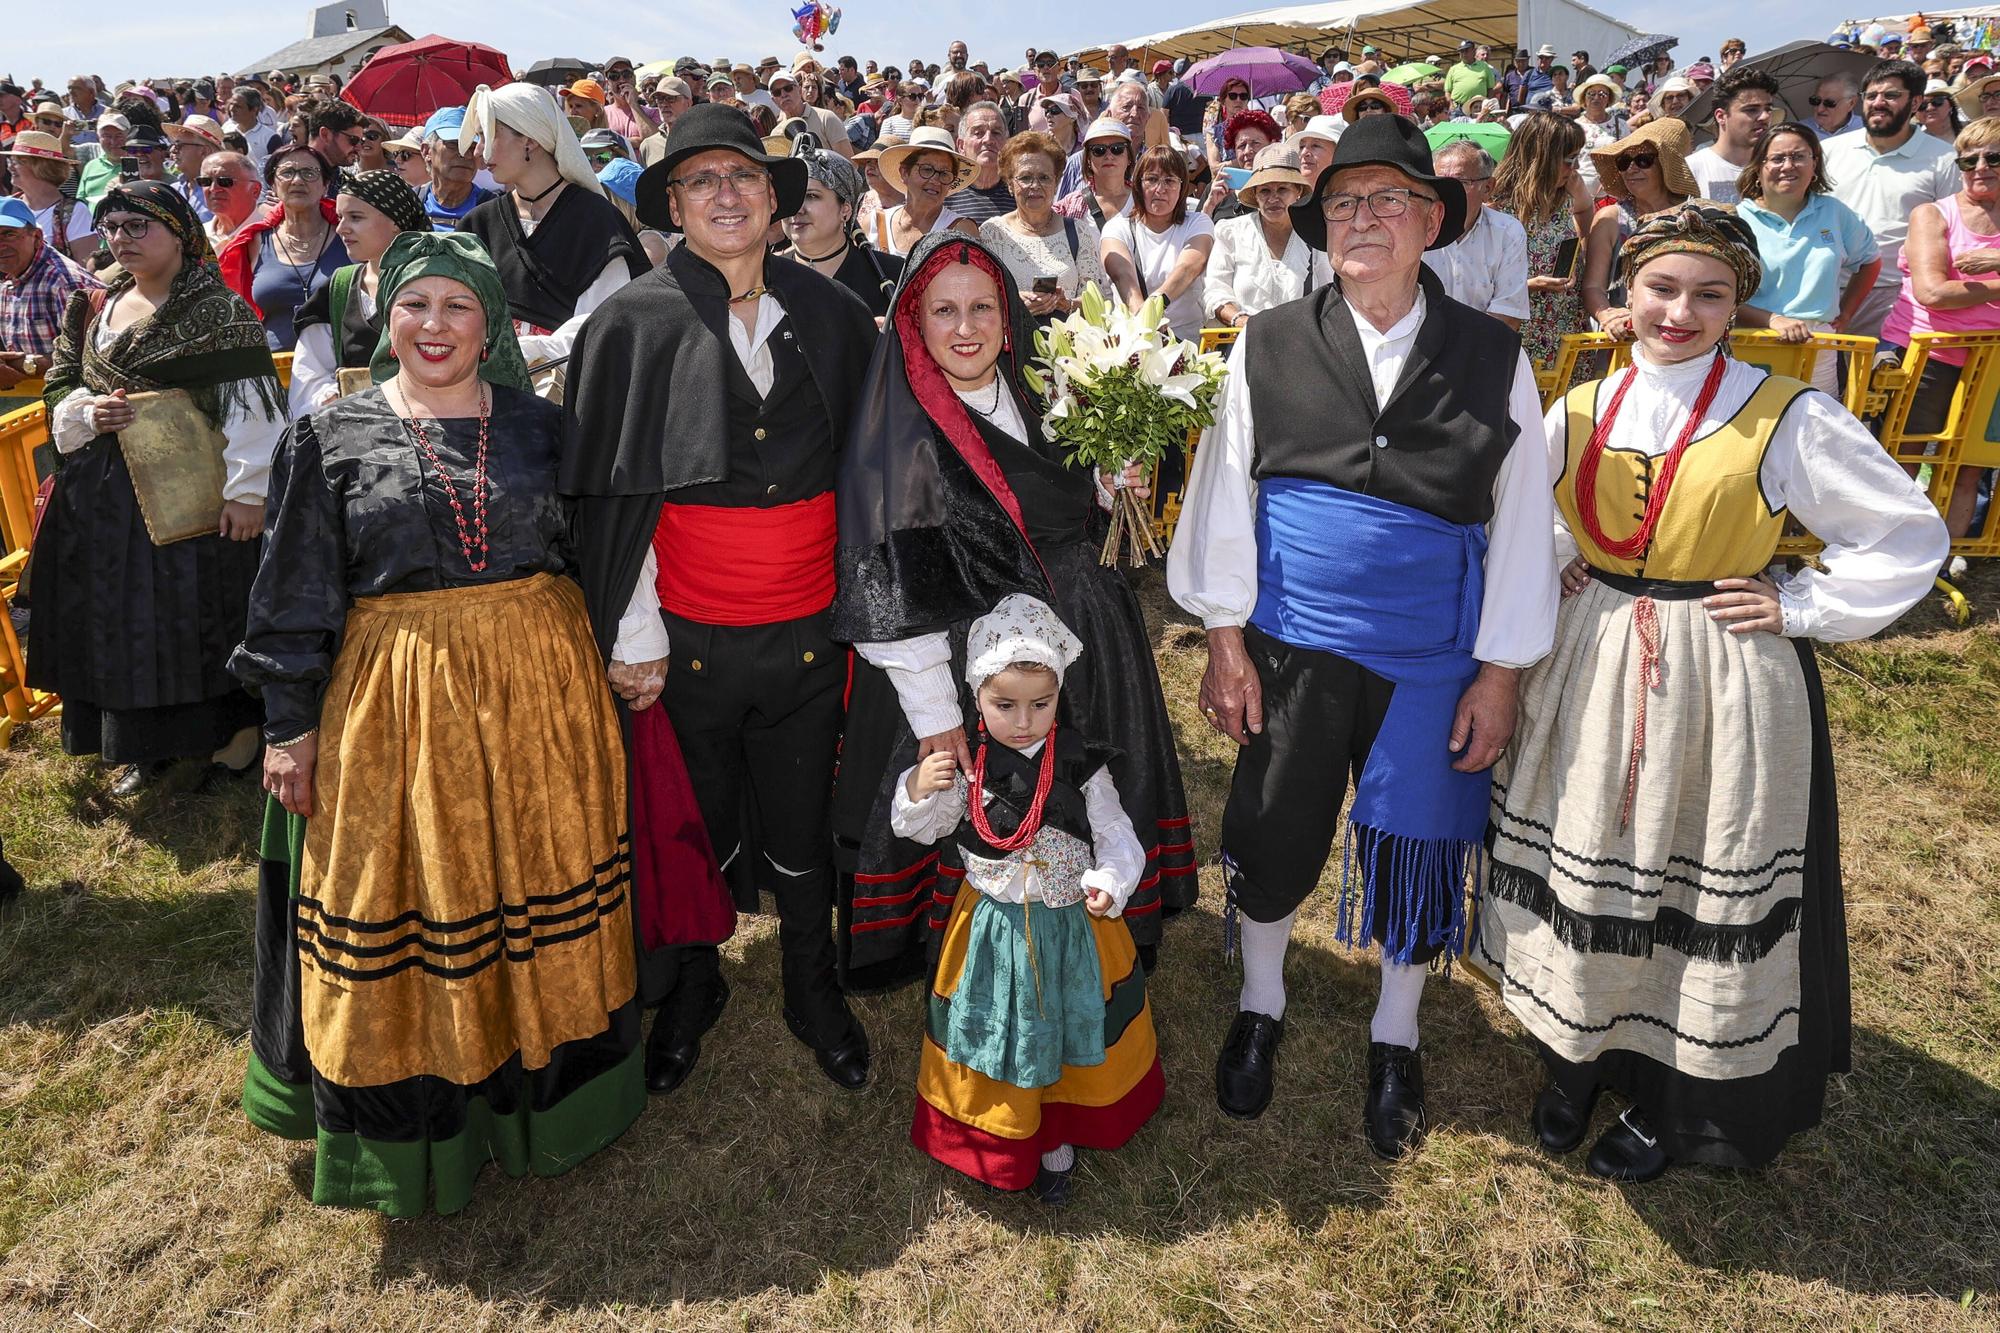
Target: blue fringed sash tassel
{"x": 1397, "y": 591}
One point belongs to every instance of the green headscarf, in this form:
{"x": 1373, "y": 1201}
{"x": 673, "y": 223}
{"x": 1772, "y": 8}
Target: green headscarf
{"x": 460, "y": 256}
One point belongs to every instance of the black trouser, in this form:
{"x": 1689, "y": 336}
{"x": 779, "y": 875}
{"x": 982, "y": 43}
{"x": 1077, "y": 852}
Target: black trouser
{"x": 757, "y": 712}
{"x": 1321, "y": 713}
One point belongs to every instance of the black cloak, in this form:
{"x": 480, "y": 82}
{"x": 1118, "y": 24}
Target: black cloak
{"x": 545, "y": 274}
{"x": 646, "y": 406}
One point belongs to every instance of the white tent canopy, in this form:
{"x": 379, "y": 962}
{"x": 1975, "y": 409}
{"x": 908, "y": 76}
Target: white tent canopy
{"x": 1400, "y": 29}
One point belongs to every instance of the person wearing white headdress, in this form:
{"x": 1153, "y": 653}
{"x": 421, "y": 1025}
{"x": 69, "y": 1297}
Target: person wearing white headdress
{"x": 1040, "y": 1035}
{"x": 561, "y": 247}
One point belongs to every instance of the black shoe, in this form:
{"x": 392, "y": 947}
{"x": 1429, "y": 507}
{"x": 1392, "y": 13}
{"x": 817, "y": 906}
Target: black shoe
{"x": 1394, "y": 1115}
{"x": 11, "y": 883}
{"x": 137, "y": 777}
{"x": 675, "y": 1041}
{"x": 1627, "y": 1152}
{"x": 1246, "y": 1073}
{"x": 845, "y": 1062}
{"x": 1052, "y": 1187}
{"x": 1558, "y": 1122}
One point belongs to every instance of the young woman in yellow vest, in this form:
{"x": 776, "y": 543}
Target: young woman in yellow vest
{"x": 1663, "y": 908}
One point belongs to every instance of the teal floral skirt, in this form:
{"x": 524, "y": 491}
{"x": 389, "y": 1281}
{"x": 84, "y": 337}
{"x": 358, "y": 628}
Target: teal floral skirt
{"x": 1031, "y": 996}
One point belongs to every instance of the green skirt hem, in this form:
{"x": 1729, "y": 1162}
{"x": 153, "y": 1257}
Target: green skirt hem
{"x": 407, "y": 1178}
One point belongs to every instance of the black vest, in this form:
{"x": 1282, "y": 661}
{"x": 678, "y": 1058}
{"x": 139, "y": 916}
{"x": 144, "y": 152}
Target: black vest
{"x": 1011, "y": 778}
{"x": 781, "y": 447}
{"x": 1438, "y": 444}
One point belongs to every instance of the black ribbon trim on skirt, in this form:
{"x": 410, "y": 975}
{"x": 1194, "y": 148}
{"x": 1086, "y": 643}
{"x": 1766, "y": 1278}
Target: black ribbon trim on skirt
{"x": 1771, "y": 866}
{"x": 619, "y": 860}
{"x": 308, "y": 945}
{"x": 1669, "y": 929}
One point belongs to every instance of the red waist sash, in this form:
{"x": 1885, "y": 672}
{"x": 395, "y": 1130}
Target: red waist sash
{"x": 724, "y": 565}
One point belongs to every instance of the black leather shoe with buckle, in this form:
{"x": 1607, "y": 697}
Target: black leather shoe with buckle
{"x": 1558, "y": 1122}
{"x": 1246, "y": 1073}
{"x": 1394, "y": 1114}
{"x": 675, "y": 1041}
{"x": 1628, "y": 1152}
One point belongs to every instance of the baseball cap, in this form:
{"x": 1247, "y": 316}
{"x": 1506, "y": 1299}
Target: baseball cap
{"x": 1163, "y": 67}
{"x": 111, "y": 120}
{"x": 779, "y": 76}
{"x": 674, "y": 86}
{"x": 444, "y": 121}
{"x": 720, "y": 80}
{"x": 588, "y": 89}
{"x": 1323, "y": 127}
{"x": 16, "y": 213}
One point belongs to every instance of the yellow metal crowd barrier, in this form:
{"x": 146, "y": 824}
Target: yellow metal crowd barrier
{"x": 1759, "y": 347}
{"x": 22, "y": 431}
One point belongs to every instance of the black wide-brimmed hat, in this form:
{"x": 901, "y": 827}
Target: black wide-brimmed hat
{"x": 702, "y": 129}
{"x": 1383, "y": 141}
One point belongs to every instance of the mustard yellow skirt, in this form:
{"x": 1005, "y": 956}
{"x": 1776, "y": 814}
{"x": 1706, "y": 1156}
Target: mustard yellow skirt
{"x": 463, "y": 892}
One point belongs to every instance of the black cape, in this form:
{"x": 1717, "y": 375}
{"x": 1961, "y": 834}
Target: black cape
{"x": 545, "y": 274}
{"x": 904, "y": 566}
{"x": 646, "y": 406}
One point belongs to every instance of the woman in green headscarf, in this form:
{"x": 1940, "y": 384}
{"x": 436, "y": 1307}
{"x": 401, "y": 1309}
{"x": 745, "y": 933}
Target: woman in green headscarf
{"x": 445, "y": 966}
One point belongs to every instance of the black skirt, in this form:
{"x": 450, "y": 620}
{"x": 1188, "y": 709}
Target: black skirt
{"x": 893, "y": 905}
{"x": 1745, "y": 1122}
{"x": 135, "y": 637}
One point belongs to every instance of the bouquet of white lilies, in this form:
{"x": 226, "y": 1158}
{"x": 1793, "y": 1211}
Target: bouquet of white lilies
{"x": 1120, "y": 390}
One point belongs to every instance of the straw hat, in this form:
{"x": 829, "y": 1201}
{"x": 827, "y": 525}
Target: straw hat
{"x": 874, "y": 151}
{"x": 1599, "y": 81}
{"x": 1668, "y": 139}
{"x": 1968, "y": 96}
{"x": 37, "y": 144}
{"x": 927, "y": 139}
{"x": 202, "y": 128}
{"x": 1276, "y": 164}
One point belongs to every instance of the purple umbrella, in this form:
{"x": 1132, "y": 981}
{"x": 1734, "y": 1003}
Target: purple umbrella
{"x": 1265, "y": 68}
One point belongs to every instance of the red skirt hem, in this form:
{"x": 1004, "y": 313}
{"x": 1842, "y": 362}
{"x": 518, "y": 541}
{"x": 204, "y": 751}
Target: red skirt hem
{"x": 1011, "y": 1164}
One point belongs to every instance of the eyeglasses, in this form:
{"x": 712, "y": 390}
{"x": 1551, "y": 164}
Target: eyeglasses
{"x": 350, "y": 138}
{"x": 662, "y": 99}
{"x": 301, "y": 174}
{"x": 216, "y": 182}
{"x": 1990, "y": 158}
{"x": 929, "y": 174}
{"x": 133, "y": 228}
{"x": 401, "y": 155}
{"x": 1107, "y": 149}
{"x": 373, "y": 136}
{"x": 1928, "y": 104}
{"x": 1789, "y": 160}
{"x": 1833, "y": 101}
{"x": 1236, "y": 97}
{"x": 1384, "y": 204}
{"x": 1033, "y": 181}
{"x": 708, "y": 184}
{"x": 1643, "y": 161}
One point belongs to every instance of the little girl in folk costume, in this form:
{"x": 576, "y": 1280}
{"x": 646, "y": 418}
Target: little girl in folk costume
{"x": 1040, "y": 1037}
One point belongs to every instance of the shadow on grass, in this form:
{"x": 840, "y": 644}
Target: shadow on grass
{"x": 758, "y": 1176}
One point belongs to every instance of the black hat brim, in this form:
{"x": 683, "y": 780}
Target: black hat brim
{"x": 1395, "y": 152}
{"x": 707, "y": 133}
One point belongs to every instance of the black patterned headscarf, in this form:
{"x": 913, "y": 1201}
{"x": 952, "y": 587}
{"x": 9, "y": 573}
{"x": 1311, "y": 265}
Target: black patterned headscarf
{"x": 203, "y": 338}
{"x": 391, "y": 196}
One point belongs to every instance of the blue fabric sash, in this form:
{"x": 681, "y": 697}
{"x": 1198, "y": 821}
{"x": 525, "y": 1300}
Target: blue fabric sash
{"x": 1397, "y": 591}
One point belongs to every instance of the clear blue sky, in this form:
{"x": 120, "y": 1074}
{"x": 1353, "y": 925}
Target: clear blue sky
{"x": 121, "y": 39}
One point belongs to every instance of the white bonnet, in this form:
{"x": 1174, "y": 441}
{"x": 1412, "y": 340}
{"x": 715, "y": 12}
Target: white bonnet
{"x": 1019, "y": 629}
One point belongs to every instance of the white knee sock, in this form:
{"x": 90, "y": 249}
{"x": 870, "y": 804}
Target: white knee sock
{"x": 1395, "y": 1018}
{"x": 1059, "y": 1159}
{"x": 1264, "y": 945}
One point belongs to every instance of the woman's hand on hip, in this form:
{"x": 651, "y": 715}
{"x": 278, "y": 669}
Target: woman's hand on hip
{"x": 288, "y": 774}
{"x": 1744, "y": 606}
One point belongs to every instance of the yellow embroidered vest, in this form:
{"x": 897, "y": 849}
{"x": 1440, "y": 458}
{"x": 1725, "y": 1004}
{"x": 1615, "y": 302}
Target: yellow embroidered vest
{"x": 1716, "y": 524}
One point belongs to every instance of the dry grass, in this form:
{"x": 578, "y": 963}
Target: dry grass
{"x": 133, "y": 1195}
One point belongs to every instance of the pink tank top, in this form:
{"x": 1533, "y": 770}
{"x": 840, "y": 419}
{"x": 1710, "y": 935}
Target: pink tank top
{"x": 1909, "y": 316}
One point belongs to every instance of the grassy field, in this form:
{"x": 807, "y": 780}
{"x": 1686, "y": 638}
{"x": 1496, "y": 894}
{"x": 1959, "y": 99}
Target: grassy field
{"x": 133, "y": 1194}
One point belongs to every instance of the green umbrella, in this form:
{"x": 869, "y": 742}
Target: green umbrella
{"x": 1493, "y": 138}
{"x": 1411, "y": 73}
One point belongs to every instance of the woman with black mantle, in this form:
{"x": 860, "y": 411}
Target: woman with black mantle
{"x": 951, "y": 498}
{"x": 561, "y": 247}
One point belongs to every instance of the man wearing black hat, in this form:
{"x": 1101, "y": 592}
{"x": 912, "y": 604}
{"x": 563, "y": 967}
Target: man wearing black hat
{"x": 705, "y": 405}
{"x": 1367, "y": 537}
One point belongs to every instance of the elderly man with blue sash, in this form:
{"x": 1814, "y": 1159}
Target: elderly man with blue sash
{"x": 1368, "y": 538}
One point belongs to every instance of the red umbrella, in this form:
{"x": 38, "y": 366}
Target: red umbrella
{"x": 402, "y": 85}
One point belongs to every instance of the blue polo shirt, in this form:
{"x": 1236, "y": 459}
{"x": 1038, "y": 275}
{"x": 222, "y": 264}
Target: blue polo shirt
{"x": 1809, "y": 259}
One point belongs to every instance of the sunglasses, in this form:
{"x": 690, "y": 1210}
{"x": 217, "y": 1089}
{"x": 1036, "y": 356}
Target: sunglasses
{"x": 373, "y": 136}
{"x": 216, "y": 182}
{"x": 1643, "y": 161}
{"x": 402, "y": 155}
{"x": 1990, "y": 158}
{"x": 603, "y": 157}
{"x": 1107, "y": 149}
{"x": 1236, "y": 97}
{"x": 1928, "y": 104}
{"x": 1828, "y": 101}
